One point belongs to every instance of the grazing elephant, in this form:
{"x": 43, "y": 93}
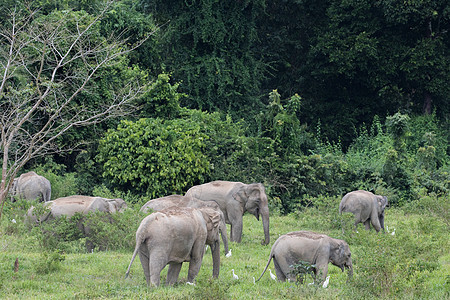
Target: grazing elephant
{"x": 179, "y": 201}
{"x": 69, "y": 206}
{"x": 234, "y": 199}
{"x": 314, "y": 248}
{"x": 173, "y": 236}
{"x": 31, "y": 186}
{"x": 367, "y": 208}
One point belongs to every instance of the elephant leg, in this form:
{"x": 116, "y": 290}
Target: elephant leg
{"x": 367, "y": 224}
{"x": 322, "y": 270}
{"x": 375, "y": 221}
{"x": 280, "y": 275}
{"x": 173, "y": 273}
{"x": 357, "y": 221}
{"x": 236, "y": 228}
{"x": 145, "y": 262}
{"x": 198, "y": 250}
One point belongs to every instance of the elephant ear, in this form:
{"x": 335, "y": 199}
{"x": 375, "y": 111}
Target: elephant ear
{"x": 382, "y": 202}
{"x": 253, "y": 199}
{"x": 241, "y": 196}
{"x": 212, "y": 219}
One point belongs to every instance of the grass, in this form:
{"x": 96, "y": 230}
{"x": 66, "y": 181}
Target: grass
{"x": 414, "y": 263}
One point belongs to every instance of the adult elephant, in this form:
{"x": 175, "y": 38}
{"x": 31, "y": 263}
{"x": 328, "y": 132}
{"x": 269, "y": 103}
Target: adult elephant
{"x": 69, "y": 206}
{"x": 314, "y": 248}
{"x": 367, "y": 208}
{"x": 173, "y": 236}
{"x": 31, "y": 186}
{"x": 234, "y": 199}
{"x": 159, "y": 204}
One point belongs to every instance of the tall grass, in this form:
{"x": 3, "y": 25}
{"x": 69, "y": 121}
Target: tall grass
{"x": 412, "y": 264}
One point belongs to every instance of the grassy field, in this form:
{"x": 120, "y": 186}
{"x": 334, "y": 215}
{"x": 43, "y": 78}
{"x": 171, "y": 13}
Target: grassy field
{"x": 412, "y": 264}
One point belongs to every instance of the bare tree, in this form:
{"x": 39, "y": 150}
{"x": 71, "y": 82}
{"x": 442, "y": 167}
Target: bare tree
{"x": 46, "y": 63}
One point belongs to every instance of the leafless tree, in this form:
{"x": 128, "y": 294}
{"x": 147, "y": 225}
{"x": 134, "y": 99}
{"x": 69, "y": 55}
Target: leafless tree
{"x": 45, "y": 64}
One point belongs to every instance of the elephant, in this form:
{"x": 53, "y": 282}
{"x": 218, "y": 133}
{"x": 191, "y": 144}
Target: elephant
{"x": 69, "y": 206}
{"x": 159, "y": 204}
{"x": 234, "y": 199}
{"x": 367, "y": 208}
{"x": 31, "y": 186}
{"x": 173, "y": 236}
{"x": 314, "y": 248}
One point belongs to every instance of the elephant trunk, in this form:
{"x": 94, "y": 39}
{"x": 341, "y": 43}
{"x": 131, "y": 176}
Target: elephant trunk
{"x": 215, "y": 252}
{"x": 265, "y": 220}
{"x": 350, "y": 271}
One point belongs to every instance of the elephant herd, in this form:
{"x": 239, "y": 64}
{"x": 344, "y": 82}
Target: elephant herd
{"x": 179, "y": 227}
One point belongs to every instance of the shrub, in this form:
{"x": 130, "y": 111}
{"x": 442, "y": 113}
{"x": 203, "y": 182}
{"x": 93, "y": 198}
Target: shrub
{"x": 50, "y": 262}
{"x": 154, "y": 156}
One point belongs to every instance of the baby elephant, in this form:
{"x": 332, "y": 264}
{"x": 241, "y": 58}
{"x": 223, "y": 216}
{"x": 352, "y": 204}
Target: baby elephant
{"x": 173, "y": 236}
{"x": 367, "y": 208}
{"x": 314, "y": 248}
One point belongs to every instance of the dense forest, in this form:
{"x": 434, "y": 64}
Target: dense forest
{"x": 310, "y": 98}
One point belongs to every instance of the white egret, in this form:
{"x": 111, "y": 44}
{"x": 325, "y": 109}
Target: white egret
{"x": 228, "y": 254}
{"x": 325, "y": 283}
{"x": 272, "y": 275}
{"x": 234, "y": 275}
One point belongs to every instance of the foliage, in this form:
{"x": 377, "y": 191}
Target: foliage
{"x": 154, "y": 156}
{"x": 50, "y": 262}
{"x": 211, "y": 47}
{"x": 411, "y": 264}
{"x": 301, "y": 270}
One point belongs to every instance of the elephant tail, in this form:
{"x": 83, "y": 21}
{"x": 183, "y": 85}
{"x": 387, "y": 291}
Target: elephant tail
{"x": 270, "y": 258}
{"x": 132, "y": 259}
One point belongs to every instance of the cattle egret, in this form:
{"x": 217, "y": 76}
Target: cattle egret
{"x": 393, "y": 232}
{"x": 272, "y": 275}
{"x": 234, "y": 275}
{"x": 190, "y": 283}
{"x": 228, "y": 254}
{"x": 206, "y": 248}
{"x": 325, "y": 283}
{"x": 254, "y": 280}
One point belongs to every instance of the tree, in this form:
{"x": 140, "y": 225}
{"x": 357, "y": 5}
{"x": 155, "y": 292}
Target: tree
{"x": 47, "y": 63}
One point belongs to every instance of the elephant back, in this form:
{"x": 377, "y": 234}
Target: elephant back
{"x": 32, "y": 186}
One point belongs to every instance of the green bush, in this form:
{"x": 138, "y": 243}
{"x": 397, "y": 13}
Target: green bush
{"x": 50, "y": 262}
{"x": 154, "y": 156}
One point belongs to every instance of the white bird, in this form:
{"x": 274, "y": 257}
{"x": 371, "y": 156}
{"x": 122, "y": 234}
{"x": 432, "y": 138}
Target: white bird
{"x": 190, "y": 283}
{"x": 14, "y": 221}
{"x": 325, "y": 283}
{"x": 228, "y": 254}
{"x": 206, "y": 248}
{"x": 393, "y": 232}
{"x": 254, "y": 280}
{"x": 387, "y": 229}
{"x": 272, "y": 275}
{"x": 234, "y": 275}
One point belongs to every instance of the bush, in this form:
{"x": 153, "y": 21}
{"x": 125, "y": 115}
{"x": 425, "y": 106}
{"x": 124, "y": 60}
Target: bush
{"x": 154, "y": 156}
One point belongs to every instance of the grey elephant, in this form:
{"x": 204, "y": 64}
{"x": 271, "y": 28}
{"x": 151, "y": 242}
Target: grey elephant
{"x": 314, "y": 248}
{"x": 367, "y": 208}
{"x": 31, "y": 186}
{"x": 69, "y": 206}
{"x": 159, "y": 204}
{"x": 173, "y": 236}
{"x": 234, "y": 199}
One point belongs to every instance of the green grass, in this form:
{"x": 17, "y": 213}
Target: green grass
{"x": 412, "y": 264}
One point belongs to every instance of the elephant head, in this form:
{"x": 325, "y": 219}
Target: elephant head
{"x": 116, "y": 205}
{"x": 212, "y": 219}
{"x": 382, "y": 204}
{"x": 257, "y": 204}
{"x": 340, "y": 256}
